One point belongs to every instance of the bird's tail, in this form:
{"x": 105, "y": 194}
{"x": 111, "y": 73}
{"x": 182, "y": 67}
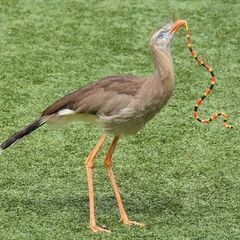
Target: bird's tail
{"x": 22, "y": 133}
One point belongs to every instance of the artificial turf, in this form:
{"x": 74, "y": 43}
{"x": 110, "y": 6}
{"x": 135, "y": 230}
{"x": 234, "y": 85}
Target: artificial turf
{"x": 180, "y": 178}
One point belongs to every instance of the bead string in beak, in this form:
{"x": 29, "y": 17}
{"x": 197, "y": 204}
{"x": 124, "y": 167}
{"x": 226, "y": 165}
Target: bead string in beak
{"x": 208, "y": 90}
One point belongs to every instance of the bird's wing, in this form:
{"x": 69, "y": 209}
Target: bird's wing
{"x": 106, "y": 96}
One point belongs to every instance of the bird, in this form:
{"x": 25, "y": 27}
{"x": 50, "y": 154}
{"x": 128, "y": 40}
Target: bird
{"x": 120, "y": 105}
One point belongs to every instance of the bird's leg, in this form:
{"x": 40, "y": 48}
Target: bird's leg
{"x": 89, "y": 166}
{"x": 108, "y": 164}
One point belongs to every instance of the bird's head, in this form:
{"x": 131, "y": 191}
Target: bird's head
{"x": 162, "y": 37}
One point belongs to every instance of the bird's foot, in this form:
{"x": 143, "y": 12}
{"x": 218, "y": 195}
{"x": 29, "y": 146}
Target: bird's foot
{"x": 127, "y": 222}
{"x": 95, "y": 228}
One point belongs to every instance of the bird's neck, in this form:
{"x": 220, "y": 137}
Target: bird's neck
{"x": 162, "y": 62}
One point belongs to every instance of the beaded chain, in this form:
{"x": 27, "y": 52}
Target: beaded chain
{"x": 207, "y": 91}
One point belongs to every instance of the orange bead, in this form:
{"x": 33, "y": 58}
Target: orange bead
{"x": 224, "y": 115}
{"x": 208, "y": 67}
{"x": 214, "y": 116}
{"x": 213, "y": 80}
{"x": 207, "y": 91}
{"x": 194, "y": 54}
{"x": 225, "y": 124}
{"x": 200, "y": 60}
{"x": 205, "y": 121}
{"x": 195, "y": 114}
{"x": 198, "y": 102}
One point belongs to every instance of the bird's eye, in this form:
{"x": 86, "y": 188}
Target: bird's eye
{"x": 161, "y": 35}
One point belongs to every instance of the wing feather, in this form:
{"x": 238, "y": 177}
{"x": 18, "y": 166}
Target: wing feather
{"x": 106, "y": 96}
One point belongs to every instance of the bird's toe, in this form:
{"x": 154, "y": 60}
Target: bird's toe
{"x": 96, "y": 228}
{"x": 131, "y": 223}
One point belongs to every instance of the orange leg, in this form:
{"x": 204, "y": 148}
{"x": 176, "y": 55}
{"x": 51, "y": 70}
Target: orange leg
{"x": 108, "y": 164}
{"x": 89, "y": 167}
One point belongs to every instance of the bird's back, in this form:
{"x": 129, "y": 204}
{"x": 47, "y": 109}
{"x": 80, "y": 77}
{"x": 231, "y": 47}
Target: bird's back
{"x": 105, "y": 96}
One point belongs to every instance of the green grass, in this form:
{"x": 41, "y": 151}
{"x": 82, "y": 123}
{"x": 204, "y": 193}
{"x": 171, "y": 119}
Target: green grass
{"x": 180, "y": 178}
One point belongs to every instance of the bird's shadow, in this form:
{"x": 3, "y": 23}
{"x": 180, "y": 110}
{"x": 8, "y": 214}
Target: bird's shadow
{"x": 134, "y": 204}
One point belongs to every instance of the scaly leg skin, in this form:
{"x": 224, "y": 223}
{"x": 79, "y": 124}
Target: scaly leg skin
{"x": 89, "y": 166}
{"x": 108, "y": 164}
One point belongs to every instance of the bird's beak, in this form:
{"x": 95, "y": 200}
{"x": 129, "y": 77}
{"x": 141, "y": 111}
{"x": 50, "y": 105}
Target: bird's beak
{"x": 176, "y": 25}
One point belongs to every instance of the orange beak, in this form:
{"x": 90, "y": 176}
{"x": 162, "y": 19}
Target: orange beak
{"x": 177, "y": 25}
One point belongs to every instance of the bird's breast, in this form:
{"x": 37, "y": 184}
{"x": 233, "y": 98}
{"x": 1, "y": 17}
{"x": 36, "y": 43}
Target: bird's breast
{"x": 159, "y": 91}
